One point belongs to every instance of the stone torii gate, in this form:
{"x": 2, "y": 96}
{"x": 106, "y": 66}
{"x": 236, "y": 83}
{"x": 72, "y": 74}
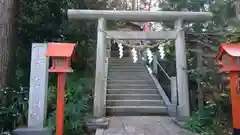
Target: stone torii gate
{"x": 178, "y": 35}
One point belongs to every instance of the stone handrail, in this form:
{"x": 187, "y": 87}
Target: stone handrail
{"x": 172, "y": 101}
{"x": 173, "y": 86}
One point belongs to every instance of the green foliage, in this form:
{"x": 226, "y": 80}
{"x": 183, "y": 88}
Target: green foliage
{"x": 78, "y": 104}
{"x": 210, "y": 120}
{"x": 215, "y": 117}
{"x": 13, "y": 108}
{"x": 46, "y": 21}
{"x": 78, "y": 96}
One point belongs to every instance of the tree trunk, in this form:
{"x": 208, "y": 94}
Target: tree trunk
{"x": 7, "y": 43}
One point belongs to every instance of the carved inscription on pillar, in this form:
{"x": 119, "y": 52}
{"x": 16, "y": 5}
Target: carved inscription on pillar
{"x": 38, "y": 86}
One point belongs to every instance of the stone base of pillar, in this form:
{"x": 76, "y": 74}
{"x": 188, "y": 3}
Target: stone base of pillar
{"x": 180, "y": 114}
{"x": 32, "y": 131}
{"x": 182, "y": 118}
{"x": 97, "y": 123}
{"x": 172, "y": 110}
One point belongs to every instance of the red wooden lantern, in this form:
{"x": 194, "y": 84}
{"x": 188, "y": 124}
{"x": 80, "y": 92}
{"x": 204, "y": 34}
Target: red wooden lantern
{"x": 61, "y": 54}
{"x": 229, "y": 56}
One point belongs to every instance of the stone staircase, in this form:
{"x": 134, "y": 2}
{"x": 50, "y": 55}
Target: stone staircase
{"x": 131, "y": 90}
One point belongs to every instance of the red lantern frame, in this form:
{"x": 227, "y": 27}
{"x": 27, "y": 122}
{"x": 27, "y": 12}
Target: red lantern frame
{"x": 61, "y": 54}
{"x": 232, "y": 65}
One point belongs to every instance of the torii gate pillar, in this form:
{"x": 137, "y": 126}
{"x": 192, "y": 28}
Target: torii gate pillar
{"x": 99, "y": 108}
{"x": 182, "y": 74}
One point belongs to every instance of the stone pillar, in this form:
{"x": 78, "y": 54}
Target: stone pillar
{"x": 38, "y": 86}
{"x": 237, "y": 6}
{"x": 98, "y": 120}
{"x": 98, "y": 110}
{"x": 37, "y": 93}
{"x": 174, "y": 96}
{"x": 155, "y": 66}
{"x": 182, "y": 74}
{"x": 108, "y": 51}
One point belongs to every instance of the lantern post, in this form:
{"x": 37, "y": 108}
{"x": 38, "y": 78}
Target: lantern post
{"x": 61, "y": 54}
{"x": 229, "y": 57}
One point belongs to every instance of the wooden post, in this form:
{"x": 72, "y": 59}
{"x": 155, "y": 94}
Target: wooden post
{"x": 174, "y": 95}
{"x": 38, "y": 86}
{"x": 60, "y": 103}
{"x": 234, "y": 88}
{"x": 98, "y": 110}
{"x": 155, "y": 66}
{"x": 182, "y": 74}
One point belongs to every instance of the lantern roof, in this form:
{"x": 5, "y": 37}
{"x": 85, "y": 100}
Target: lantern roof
{"x": 60, "y": 49}
{"x": 229, "y": 49}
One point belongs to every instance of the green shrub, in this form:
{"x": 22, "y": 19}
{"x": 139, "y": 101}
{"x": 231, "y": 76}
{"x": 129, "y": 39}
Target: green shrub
{"x": 13, "y": 108}
{"x": 78, "y": 101}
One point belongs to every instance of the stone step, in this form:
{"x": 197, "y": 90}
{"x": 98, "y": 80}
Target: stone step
{"x": 127, "y": 70}
{"x": 132, "y": 85}
{"x": 121, "y": 59}
{"x": 143, "y": 72}
{"x": 128, "y": 78}
{"x": 126, "y": 86}
{"x": 135, "y": 103}
{"x": 124, "y": 61}
{"x": 128, "y": 73}
{"x": 113, "y": 65}
{"x": 124, "y": 58}
{"x": 126, "y": 66}
{"x": 132, "y": 91}
{"x": 120, "y": 69}
{"x": 136, "y": 110}
{"x": 133, "y": 97}
{"x": 130, "y": 81}
{"x": 114, "y": 75}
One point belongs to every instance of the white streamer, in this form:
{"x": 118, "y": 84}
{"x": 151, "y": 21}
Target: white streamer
{"x": 150, "y": 56}
{"x": 120, "y": 46}
{"x": 134, "y": 53}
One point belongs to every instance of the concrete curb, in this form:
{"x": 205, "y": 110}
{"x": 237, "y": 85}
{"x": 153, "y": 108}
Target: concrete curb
{"x": 31, "y": 131}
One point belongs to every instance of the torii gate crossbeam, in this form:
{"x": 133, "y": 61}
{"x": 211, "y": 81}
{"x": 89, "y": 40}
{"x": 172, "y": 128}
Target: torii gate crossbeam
{"x": 145, "y": 16}
{"x": 141, "y": 16}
